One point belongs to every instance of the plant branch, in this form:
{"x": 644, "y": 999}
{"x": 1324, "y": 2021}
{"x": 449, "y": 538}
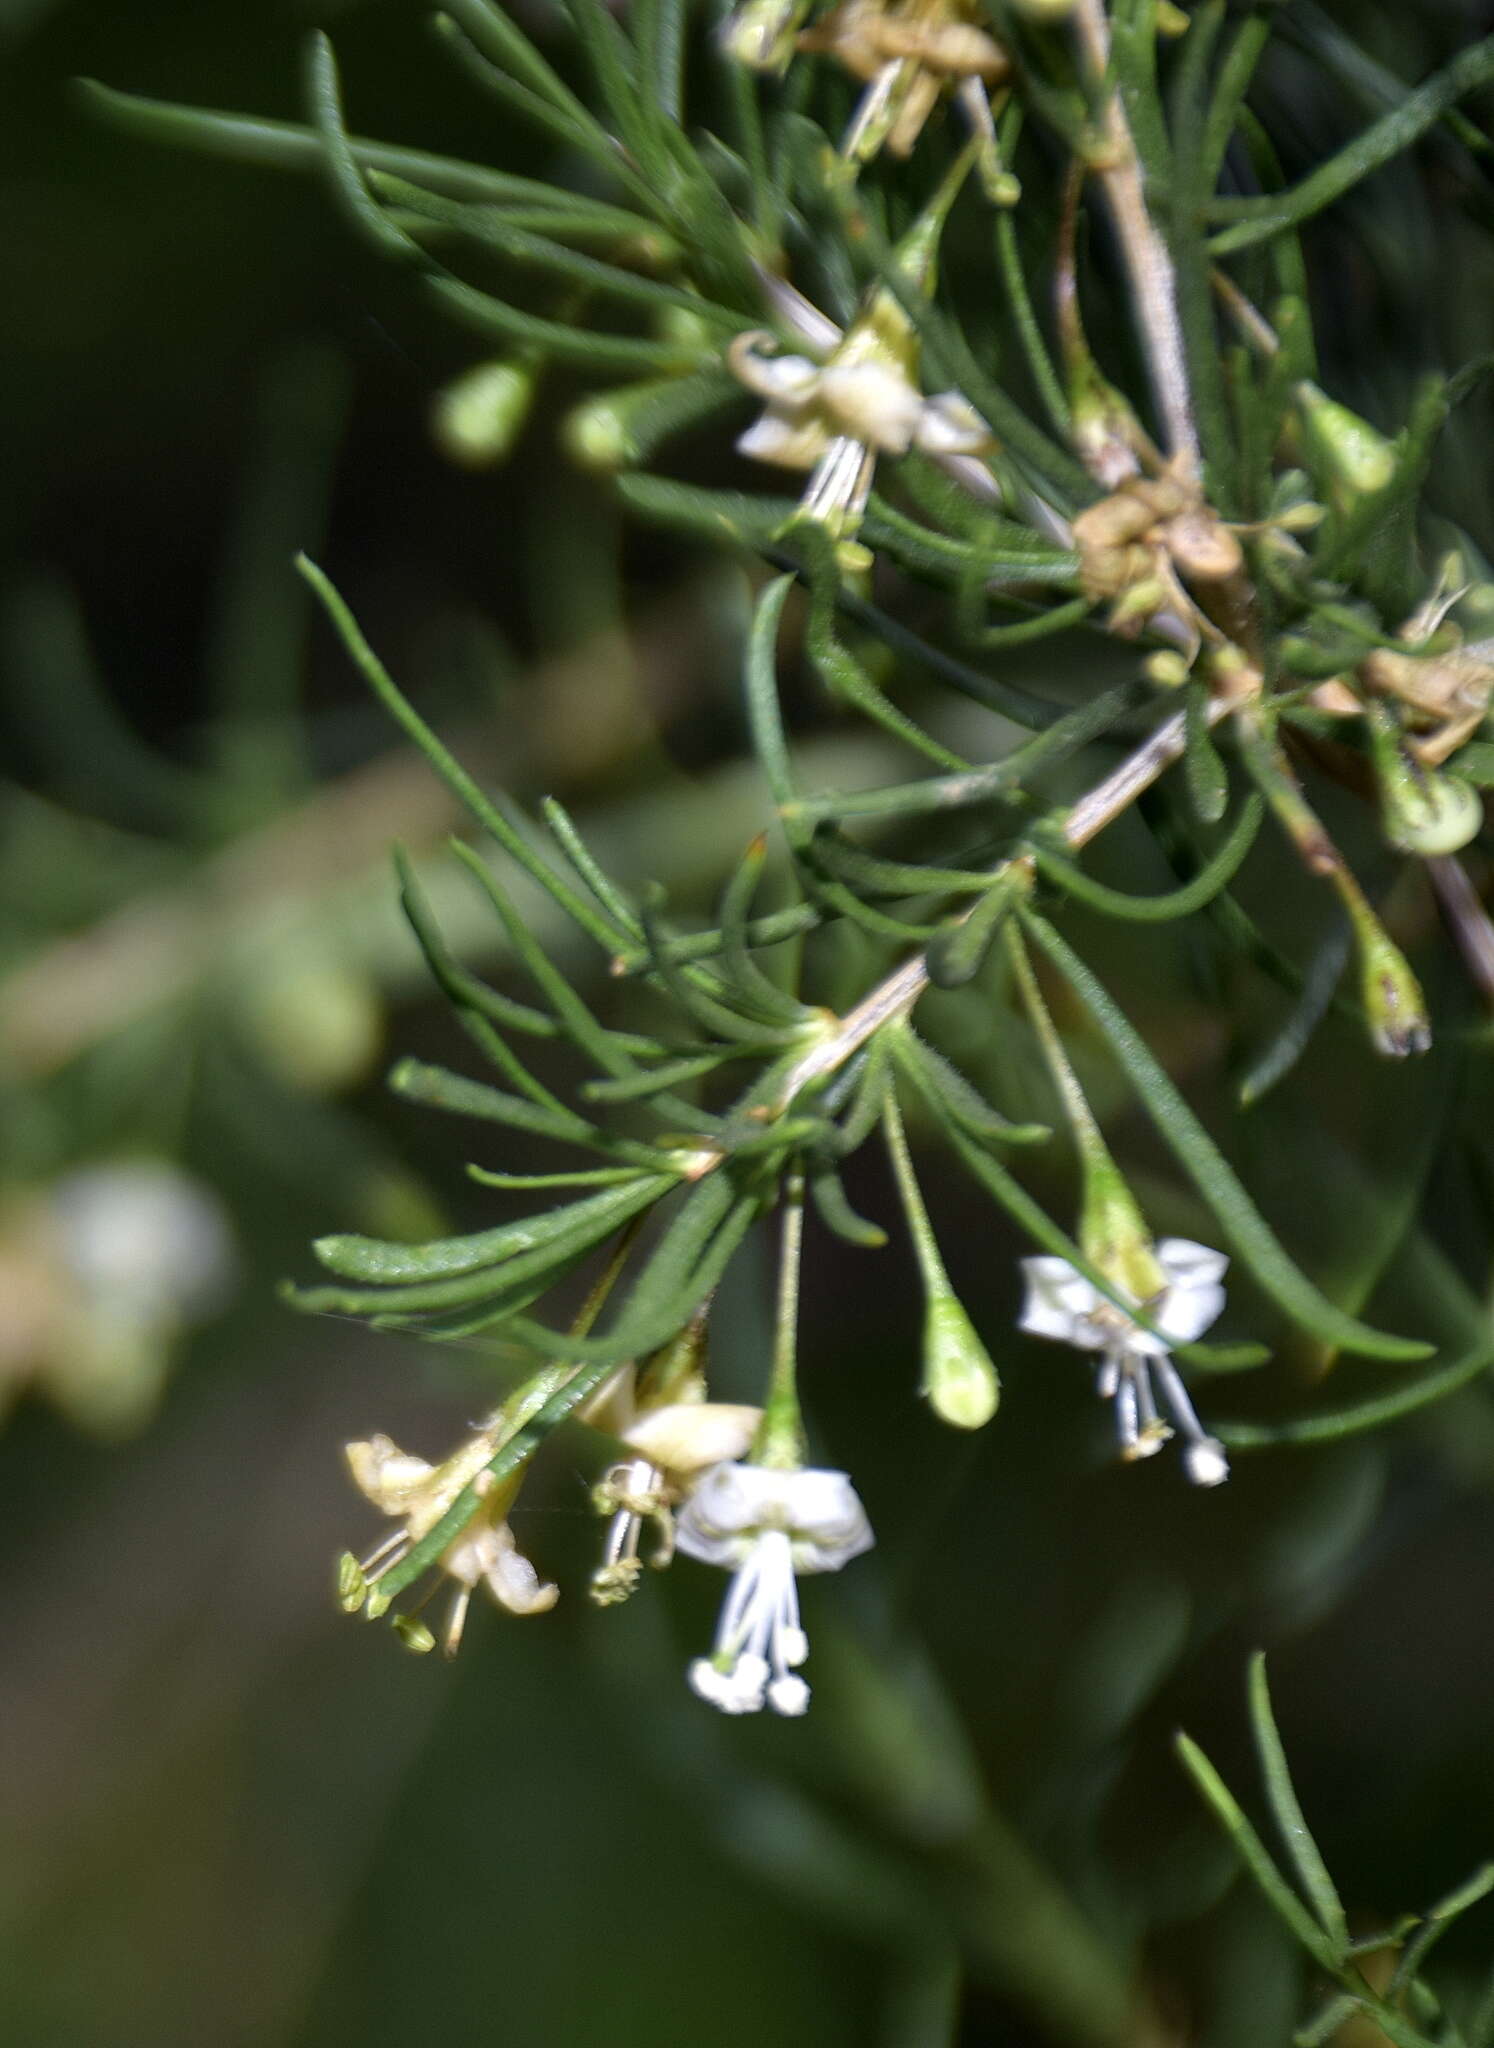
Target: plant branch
{"x": 1148, "y": 263}
{"x": 896, "y": 995}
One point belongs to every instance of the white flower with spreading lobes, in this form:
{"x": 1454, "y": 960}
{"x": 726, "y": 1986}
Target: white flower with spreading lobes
{"x": 764, "y": 1525}
{"x": 836, "y": 418}
{"x": 1063, "y": 1305}
{"x": 836, "y": 415}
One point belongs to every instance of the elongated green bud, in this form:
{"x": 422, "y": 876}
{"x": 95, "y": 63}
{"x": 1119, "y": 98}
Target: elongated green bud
{"x": 959, "y": 1379}
{"x": 1393, "y": 1001}
{"x": 477, "y": 418}
{"x": 1112, "y": 1231}
{"x": 1353, "y": 457}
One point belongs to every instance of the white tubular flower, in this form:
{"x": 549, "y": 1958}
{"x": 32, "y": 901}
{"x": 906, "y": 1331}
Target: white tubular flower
{"x": 419, "y": 1493}
{"x": 764, "y": 1526}
{"x": 836, "y": 417}
{"x": 1061, "y": 1304}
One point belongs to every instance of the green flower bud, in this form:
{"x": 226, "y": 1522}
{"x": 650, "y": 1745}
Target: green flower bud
{"x": 1393, "y": 1001}
{"x": 1430, "y": 813}
{"x": 1112, "y": 1231}
{"x": 1424, "y": 810}
{"x": 477, "y": 418}
{"x": 1353, "y": 457}
{"x": 960, "y": 1381}
{"x": 619, "y": 429}
{"x": 761, "y": 33}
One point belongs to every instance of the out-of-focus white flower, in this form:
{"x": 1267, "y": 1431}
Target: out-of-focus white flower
{"x": 907, "y": 53}
{"x": 418, "y": 1494}
{"x": 102, "y": 1271}
{"x": 765, "y": 1525}
{"x": 142, "y": 1240}
{"x": 1061, "y": 1304}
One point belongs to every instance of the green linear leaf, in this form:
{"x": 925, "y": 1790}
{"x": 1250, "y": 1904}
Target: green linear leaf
{"x": 584, "y": 135}
{"x": 1273, "y": 1887}
{"x": 876, "y": 876}
{"x": 439, "y": 1088}
{"x": 446, "y": 765}
{"x": 1204, "y": 772}
{"x": 1435, "y": 1923}
{"x": 733, "y": 917}
{"x": 383, "y": 1260}
{"x": 586, "y": 1177}
{"x": 827, "y": 1191}
{"x": 632, "y": 1337}
{"x": 689, "y": 1067}
{"x": 567, "y": 836}
{"x": 1214, "y": 875}
{"x": 495, "y": 229}
{"x": 495, "y": 319}
{"x": 1257, "y": 220}
{"x": 490, "y": 1283}
{"x": 1329, "y": 1424}
{"x": 840, "y": 671}
{"x": 964, "y": 1102}
{"x": 1300, "y": 1846}
{"x": 293, "y": 146}
{"x": 1247, "y": 1230}
{"x": 508, "y": 49}
{"x": 324, "y": 94}
{"x": 1230, "y": 88}
{"x": 764, "y": 711}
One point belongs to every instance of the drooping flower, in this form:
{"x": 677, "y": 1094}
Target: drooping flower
{"x": 907, "y": 53}
{"x": 836, "y": 417}
{"x": 765, "y": 1524}
{"x": 673, "y": 1444}
{"x": 1134, "y": 1363}
{"x": 419, "y": 1494}
{"x": 857, "y": 394}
